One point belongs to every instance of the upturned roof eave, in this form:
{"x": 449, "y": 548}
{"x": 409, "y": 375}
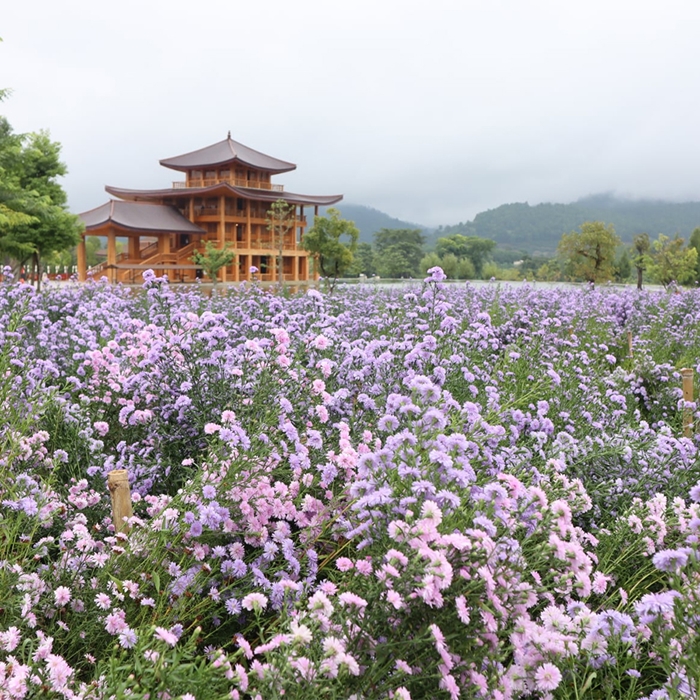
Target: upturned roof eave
{"x": 223, "y": 153}
{"x": 162, "y": 218}
{"x": 245, "y": 192}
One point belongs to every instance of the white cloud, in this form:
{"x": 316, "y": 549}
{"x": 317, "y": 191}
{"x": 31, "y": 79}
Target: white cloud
{"x": 431, "y": 111}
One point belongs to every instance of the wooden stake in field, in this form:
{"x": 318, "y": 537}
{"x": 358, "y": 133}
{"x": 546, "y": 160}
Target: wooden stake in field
{"x": 688, "y": 422}
{"x": 118, "y": 485}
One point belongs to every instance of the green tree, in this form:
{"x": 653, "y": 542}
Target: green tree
{"x": 332, "y": 242}
{"x": 54, "y": 228}
{"x": 473, "y": 248}
{"x": 280, "y": 219}
{"x": 466, "y": 270}
{"x": 428, "y": 261}
{"x": 641, "y": 258}
{"x": 399, "y": 252}
{"x": 695, "y": 243}
{"x": 364, "y": 260}
{"x": 213, "y": 259}
{"x": 623, "y": 266}
{"x": 19, "y": 207}
{"x": 589, "y": 253}
{"x": 672, "y": 261}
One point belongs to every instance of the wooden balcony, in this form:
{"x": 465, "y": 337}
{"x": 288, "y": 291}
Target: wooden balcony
{"x": 236, "y": 182}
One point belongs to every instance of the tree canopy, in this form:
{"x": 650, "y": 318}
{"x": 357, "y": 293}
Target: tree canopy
{"x": 398, "y": 252}
{"x": 472, "y": 248}
{"x": 589, "y": 253}
{"x": 280, "y": 220}
{"x": 213, "y": 259}
{"x": 332, "y": 242}
{"x": 672, "y": 261}
{"x": 34, "y": 220}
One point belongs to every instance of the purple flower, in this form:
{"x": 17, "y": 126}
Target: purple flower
{"x": 671, "y": 560}
{"x": 436, "y": 274}
{"x": 651, "y": 605}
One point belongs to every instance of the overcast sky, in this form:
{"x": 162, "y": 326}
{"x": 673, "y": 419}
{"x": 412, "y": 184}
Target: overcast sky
{"x": 430, "y": 111}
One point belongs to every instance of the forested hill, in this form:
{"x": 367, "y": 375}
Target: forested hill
{"x": 538, "y": 228}
{"x": 369, "y": 220}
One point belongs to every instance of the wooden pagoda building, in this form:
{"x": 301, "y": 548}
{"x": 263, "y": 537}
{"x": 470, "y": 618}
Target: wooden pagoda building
{"x": 225, "y": 198}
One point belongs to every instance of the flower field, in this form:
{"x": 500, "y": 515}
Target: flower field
{"x": 436, "y": 492}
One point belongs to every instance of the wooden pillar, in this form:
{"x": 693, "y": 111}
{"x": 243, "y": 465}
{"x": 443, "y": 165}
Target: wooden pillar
{"x": 134, "y": 247}
{"x": 191, "y": 207}
{"x": 295, "y": 271}
{"x": 118, "y": 485}
{"x": 164, "y": 243}
{"x": 222, "y": 230}
{"x": 247, "y": 224}
{"x": 82, "y": 259}
{"x": 688, "y": 421}
{"x": 111, "y": 255}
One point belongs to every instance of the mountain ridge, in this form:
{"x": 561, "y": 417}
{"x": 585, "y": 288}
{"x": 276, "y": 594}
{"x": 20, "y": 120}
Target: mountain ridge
{"x": 538, "y": 228}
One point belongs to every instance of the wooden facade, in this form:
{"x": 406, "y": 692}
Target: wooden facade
{"x": 224, "y": 198}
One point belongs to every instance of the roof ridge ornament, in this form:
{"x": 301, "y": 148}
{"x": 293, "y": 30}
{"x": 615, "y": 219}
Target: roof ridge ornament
{"x": 229, "y": 135}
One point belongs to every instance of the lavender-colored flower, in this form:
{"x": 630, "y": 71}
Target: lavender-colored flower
{"x": 671, "y": 560}
{"x": 436, "y": 274}
{"x": 653, "y": 605}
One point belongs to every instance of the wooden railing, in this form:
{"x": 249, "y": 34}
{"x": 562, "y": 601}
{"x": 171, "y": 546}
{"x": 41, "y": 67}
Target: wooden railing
{"x": 149, "y": 249}
{"x": 236, "y": 182}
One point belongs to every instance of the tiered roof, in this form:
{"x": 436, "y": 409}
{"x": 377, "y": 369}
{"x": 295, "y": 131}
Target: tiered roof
{"x": 142, "y": 216}
{"x": 228, "y": 189}
{"x": 224, "y": 152}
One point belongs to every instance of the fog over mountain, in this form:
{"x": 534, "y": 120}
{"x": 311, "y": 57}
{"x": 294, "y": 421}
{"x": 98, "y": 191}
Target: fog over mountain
{"x": 433, "y": 112}
{"x": 538, "y": 228}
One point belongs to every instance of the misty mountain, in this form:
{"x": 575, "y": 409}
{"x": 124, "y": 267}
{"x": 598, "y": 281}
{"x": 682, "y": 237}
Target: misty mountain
{"x": 369, "y": 220}
{"x": 537, "y": 229}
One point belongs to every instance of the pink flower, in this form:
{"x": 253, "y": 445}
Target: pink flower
{"x": 364, "y": 567}
{"x": 394, "y": 599}
{"x": 322, "y": 413}
{"x": 115, "y": 622}
{"x": 166, "y": 635}
{"x": 103, "y": 601}
{"x": 320, "y": 342}
{"x": 448, "y": 683}
{"x": 348, "y": 598}
{"x": 10, "y": 639}
{"x": 600, "y": 582}
{"x": 462, "y": 609}
{"x": 343, "y": 564}
{"x": 101, "y": 428}
{"x": 254, "y": 601}
{"x": 62, "y": 595}
{"x": 547, "y": 677}
{"x": 59, "y": 671}
{"x": 402, "y": 666}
